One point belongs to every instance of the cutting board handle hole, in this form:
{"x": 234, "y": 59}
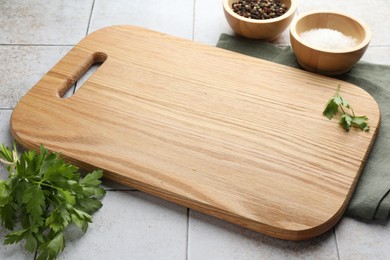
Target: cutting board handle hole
{"x": 98, "y": 58}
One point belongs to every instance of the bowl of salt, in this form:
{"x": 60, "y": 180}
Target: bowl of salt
{"x": 328, "y": 43}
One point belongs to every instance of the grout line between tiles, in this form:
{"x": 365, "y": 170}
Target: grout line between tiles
{"x": 188, "y": 234}
{"x": 74, "y": 88}
{"x": 337, "y": 245}
{"x": 6, "y": 109}
{"x": 90, "y": 17}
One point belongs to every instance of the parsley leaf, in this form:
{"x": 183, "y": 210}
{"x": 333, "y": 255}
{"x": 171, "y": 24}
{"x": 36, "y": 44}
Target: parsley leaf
{"x": 361, "y": 122}
{"x": 348, "y": 118}
{"x": 346, "y": 121}
{"x": 331, "y": 109}
{"x": 42, "y": 196}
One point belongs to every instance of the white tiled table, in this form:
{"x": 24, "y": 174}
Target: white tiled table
{"x": 35, "y": 34}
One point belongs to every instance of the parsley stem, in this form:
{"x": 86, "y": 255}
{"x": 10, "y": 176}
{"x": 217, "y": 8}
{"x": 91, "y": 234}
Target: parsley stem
{"x": 6, "y": 162}
{"x": 42, "y": 183}
{"x": 342, "y": 109}
{"x": 337, "y": 90}
{"x": 353, "y": 113}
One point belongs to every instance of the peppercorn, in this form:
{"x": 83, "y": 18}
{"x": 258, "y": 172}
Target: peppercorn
{"x": 259, "y": 9}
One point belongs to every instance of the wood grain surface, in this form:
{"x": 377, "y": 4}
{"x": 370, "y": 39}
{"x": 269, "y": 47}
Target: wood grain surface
{"x": 229, "y": 135}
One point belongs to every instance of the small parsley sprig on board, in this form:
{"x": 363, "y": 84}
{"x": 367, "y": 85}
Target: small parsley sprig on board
{"x": 348, "y": 118}
{"x": 42, "y": 196}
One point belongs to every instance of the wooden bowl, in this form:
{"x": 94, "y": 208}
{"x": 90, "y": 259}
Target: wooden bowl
{"x": 324, "y": 60}
{"x": 268, "y": 29}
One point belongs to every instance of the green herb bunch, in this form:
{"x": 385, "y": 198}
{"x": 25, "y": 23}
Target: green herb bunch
{"x": 42, "y": 196}
{"x": 348, "y": 118}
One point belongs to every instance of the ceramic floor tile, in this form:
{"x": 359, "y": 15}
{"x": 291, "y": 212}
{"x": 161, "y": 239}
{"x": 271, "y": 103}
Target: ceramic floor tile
{"x": 377, "y": 54}
{"x": 5, "y": 138}
{"x": 211, "y": 238}
{"x": 173, "y": 17}
{"x": 22, "y": 67}
{"x": 209, "y": 22}
{"x": 375, "y": 16}
{"x": 44, "y": 22}
{"x": 131, "y": 225}
{"x": 5, "y": 133}
{"x": 359, "y": 240}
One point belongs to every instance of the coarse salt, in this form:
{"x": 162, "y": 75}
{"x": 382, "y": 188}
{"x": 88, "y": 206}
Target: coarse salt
{"x": 328, "y": 39}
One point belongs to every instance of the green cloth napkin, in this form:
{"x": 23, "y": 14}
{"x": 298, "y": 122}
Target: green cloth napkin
{"x": 371, "y": 199}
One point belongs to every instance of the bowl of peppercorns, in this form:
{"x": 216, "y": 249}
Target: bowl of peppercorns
{"x": 259, "y": 19}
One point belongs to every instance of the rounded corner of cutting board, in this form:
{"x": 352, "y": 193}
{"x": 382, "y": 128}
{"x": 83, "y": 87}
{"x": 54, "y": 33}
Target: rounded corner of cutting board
{"x": 305, "y": 232}
{"x": 16, "y": 126}
{"x": 113, "y": 29}
{"x": 108, "y": 29}
{"x": 319, "y": 229}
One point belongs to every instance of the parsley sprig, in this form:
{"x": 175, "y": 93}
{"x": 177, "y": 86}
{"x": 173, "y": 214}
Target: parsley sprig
{"x": 42, "y": 196}
{"x": 348, "y": 118}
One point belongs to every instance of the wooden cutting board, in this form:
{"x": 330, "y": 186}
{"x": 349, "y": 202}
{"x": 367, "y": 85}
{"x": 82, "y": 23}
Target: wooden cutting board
{"x": 229, "y": 135}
